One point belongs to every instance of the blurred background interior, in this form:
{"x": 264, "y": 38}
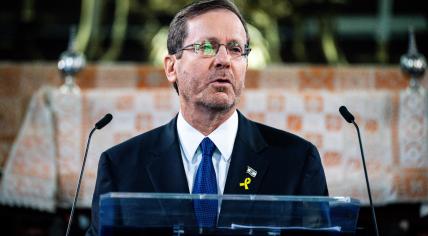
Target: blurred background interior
{"x": 291, "y": 31}
{"x": 316, "y": 51}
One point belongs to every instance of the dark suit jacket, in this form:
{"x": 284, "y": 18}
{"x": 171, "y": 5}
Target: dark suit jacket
{"x": 285, "y": 163}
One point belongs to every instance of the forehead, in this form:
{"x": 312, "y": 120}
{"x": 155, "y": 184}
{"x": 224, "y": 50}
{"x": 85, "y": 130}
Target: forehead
{"x": 220, "y": 24}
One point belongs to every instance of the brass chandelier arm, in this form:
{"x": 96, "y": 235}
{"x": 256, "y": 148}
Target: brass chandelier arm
{"x": 329, "y": 42}
{"x": 87, "y": 23}
{"x": 119, "y": 27}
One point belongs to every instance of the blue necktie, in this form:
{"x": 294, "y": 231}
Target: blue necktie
{"x": 206, "y": 183}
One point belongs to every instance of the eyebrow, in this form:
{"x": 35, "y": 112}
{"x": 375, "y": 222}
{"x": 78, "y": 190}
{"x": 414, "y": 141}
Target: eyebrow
{"x": 212, "y": 39}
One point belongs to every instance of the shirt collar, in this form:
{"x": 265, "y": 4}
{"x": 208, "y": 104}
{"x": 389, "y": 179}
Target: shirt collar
{"x": 223, "y": 137}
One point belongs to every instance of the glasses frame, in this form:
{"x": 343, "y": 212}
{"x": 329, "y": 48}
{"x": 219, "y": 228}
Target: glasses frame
{"x": 195, "y": 48}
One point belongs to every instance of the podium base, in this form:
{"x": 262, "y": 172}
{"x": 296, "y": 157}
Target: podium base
{"x": 162, "y": 231}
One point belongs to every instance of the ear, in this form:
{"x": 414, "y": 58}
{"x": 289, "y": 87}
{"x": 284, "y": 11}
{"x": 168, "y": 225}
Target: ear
{"x": 169, "y": 67}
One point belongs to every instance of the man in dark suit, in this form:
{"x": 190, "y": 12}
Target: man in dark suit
{"x": 209, "y": 147}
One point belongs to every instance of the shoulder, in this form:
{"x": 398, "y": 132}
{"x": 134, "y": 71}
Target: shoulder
{"x": 145, "y": 143}
{"x": 144, "y": 139}
{"x": 280, "y": 138}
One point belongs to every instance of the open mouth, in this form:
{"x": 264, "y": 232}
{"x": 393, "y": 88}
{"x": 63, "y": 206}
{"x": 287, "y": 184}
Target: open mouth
{"x": 221, "y": 81}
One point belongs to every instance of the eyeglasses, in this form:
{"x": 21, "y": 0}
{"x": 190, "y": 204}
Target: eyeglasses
{"x": 210, "y": 49}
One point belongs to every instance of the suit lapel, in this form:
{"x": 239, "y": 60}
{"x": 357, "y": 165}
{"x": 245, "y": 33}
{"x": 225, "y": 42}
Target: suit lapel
{"x": 166, "y": 168}
{"x": 247, "y": 153}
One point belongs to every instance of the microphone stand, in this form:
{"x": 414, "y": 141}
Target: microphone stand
{"x": 367, "y": 180}
{"x": 76, "y": 195}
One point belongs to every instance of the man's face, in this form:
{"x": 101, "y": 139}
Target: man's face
{"x": 215, "y": 82}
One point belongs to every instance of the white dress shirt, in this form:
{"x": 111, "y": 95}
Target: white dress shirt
{"x": 223, "y": 137}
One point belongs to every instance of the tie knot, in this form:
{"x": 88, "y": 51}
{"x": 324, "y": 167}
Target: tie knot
{"x": 207, "y": 147}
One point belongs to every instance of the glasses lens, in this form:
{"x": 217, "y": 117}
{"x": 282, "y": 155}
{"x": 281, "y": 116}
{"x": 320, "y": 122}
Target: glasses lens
{"x": 208, "y": 49}
{"x": 234, "y": 49}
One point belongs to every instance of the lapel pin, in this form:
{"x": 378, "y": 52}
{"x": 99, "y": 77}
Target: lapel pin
{"x": 246, "y": 182}
{"x": 251, "y": 171}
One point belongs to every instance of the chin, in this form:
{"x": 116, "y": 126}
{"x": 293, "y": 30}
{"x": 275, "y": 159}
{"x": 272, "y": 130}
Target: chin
{"x": 219, "y": 104}
{"x": 219, "y": 107}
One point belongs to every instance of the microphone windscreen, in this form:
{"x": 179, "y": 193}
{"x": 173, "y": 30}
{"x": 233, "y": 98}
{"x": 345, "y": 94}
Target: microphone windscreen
{"x": 346, "y": 114}
{"x": 104, "y": 121}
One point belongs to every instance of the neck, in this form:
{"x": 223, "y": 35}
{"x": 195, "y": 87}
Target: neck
{"x": 206, "y": 120}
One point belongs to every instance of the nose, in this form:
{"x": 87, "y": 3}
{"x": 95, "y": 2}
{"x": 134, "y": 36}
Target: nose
{"x": 222, "y": 59}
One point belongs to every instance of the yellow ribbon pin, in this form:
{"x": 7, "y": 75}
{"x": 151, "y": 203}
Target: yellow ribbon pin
{"x": 246, "y": 182}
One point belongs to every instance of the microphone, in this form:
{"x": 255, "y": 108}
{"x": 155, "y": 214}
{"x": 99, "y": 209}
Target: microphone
{"x": 104, "y": 121}
{"x": 351, "y": 119}
{"x": 346, "y": 114}
{"x": 99, "y": 125}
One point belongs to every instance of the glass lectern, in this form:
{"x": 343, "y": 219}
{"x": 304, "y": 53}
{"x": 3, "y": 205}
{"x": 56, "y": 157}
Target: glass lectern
{"x": 173, "y": 214}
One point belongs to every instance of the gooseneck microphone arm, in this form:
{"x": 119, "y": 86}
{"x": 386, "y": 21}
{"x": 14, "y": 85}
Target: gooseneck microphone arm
{"x": 99, "y": 125}
{"x": 367, "y": 179}
{"x": 350, "y": 119}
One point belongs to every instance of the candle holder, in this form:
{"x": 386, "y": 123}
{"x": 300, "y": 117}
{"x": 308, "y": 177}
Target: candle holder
{"x": 414, "y": 65}
{"x": 70, "y": 63}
